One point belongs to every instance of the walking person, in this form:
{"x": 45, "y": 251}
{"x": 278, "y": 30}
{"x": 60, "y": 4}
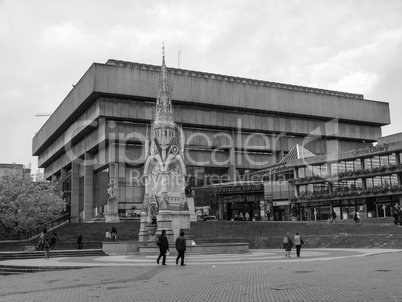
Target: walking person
{"x": 333, "y": 217}
{"x": 114, "y": 234}
{"x": 287, "y": 244}
{"x": 163, "y": 247}
{"x": 46, "y": 247}
{"x": 108, "y": 235}
{"x": 357, "y": 217}
{"x": 42, "y": 239}
{"x": 298, "y": 243}
{"x": 53, "y": 240}
{"x": 400, "y": 215}
{"x": 181, "y": 248}
{"x": 80, "y": 242}
{"x": 396, "y": 216}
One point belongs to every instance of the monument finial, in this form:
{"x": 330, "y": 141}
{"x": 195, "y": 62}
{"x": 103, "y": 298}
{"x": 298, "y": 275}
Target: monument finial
{"x": 164, "y": 110}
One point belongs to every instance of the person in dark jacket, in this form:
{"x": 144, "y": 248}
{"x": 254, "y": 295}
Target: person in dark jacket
{"x": 114, "y": 234}
{"x": 181, "y": 248}
{"x": 80, "y": 242}
{"x": 163, "y": 247}
{"x": 53, "y": 240}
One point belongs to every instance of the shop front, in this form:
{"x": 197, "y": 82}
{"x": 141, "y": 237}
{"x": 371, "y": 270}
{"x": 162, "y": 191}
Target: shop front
{"x": 242, "y": 202}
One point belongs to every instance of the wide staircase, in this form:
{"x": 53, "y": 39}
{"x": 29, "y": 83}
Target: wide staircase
{"x": 369, "y": 233}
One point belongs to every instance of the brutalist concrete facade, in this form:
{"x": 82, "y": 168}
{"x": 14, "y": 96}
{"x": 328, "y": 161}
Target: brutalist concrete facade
{"x": 230, "y": 124}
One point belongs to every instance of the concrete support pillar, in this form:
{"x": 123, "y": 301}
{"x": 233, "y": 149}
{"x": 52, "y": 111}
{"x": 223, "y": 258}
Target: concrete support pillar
{"x": 75, "y": 192}
{"x": 88, "y": 187}
{"x": 232, "y": 157}
{"x": 64, "y": 173}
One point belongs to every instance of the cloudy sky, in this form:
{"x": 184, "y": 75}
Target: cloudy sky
{"x": 46, "y": 46}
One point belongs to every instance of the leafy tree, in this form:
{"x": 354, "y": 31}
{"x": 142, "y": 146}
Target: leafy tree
{"x": 26, "y": 204}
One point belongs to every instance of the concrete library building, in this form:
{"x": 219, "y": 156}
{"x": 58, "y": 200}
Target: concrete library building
{"x": 232, "y": 128}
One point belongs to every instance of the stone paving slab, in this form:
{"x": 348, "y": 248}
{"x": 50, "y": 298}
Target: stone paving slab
{"x": 339, "y": 275}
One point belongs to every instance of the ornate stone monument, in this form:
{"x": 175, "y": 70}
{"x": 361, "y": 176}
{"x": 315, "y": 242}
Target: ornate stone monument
{"x": 112, "y": 214}
{"x": 165, "y": 205}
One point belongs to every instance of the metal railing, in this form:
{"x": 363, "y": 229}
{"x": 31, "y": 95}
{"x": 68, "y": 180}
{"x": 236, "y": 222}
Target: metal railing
{"x": 48, "y": 225}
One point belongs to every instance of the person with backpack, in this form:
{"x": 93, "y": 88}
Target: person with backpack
{"x": 181, "y": 248}
{"x": 287, "y": 244}
{"x": 163, "y": 244}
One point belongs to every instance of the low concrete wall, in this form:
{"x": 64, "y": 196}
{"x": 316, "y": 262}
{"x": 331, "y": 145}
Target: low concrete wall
{"x": 120, "y": 247}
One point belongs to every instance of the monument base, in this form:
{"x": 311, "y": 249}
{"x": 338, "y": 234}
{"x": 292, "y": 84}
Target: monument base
{"x": 112, "y": 217}
{"x": 120, "y": 247}
{"x": 191, "y": 209}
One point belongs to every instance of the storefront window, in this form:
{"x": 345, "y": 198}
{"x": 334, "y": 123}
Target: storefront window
{"x": 341, "y": 167}
{"x": 301, "y": 172}
{"x": 375, "y": 162}
{"x": 394, "y": 179}
{"x": 357, "y": 164}
{"x": 306, "y": 189}
{"x": 353, "y": 184}
{"x": 349, "y": 166}
{"x": 334, "y": 168}
{"x": 391, "y": 159}
{"x": 316, "y": 170}
{"x": 320, "y": 170}
{"x": 309, "y": 171}
{"x": 320, "y": 188}
{"x": 377, "y": 181}
{"x": 348, "y": 208}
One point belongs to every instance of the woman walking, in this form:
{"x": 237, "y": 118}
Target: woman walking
{"x": 298, "y": 243}
{"x": 287, "y": 244}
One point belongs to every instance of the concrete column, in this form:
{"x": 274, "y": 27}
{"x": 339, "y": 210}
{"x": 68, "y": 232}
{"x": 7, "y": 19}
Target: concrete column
{"x": 75, "y": 186}
{"x": 232, "y": 158}
{"x": 64, "y": 173}
{"x": 88, "y": 187}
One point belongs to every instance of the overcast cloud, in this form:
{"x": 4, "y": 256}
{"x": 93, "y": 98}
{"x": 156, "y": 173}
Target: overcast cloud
{"x": 46, "y": 46}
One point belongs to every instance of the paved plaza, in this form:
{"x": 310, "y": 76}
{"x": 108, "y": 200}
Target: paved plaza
{"x": 261, "y": 275}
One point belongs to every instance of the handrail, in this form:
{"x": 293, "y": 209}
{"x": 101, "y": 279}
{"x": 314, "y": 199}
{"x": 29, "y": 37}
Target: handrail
{"x": 50, "y": 224}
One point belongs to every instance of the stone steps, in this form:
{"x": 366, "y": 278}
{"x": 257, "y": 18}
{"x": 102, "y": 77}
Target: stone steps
{"x": 53, "y": 254}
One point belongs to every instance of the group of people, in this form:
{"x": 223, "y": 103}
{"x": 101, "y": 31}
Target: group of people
{"x": 44, "y": 244}
{"x": 288, "y": 244}
{"x": 111, "y": 235}
{"x": 332, "y": 217}
{"x": 398, "y": 215}
{"x": 163, "y": 245}
{"x": 246, "y": 216}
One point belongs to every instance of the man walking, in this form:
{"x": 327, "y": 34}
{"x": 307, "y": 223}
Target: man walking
{"x": 181, "y": 248}
{"x": 163, "y": 247}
